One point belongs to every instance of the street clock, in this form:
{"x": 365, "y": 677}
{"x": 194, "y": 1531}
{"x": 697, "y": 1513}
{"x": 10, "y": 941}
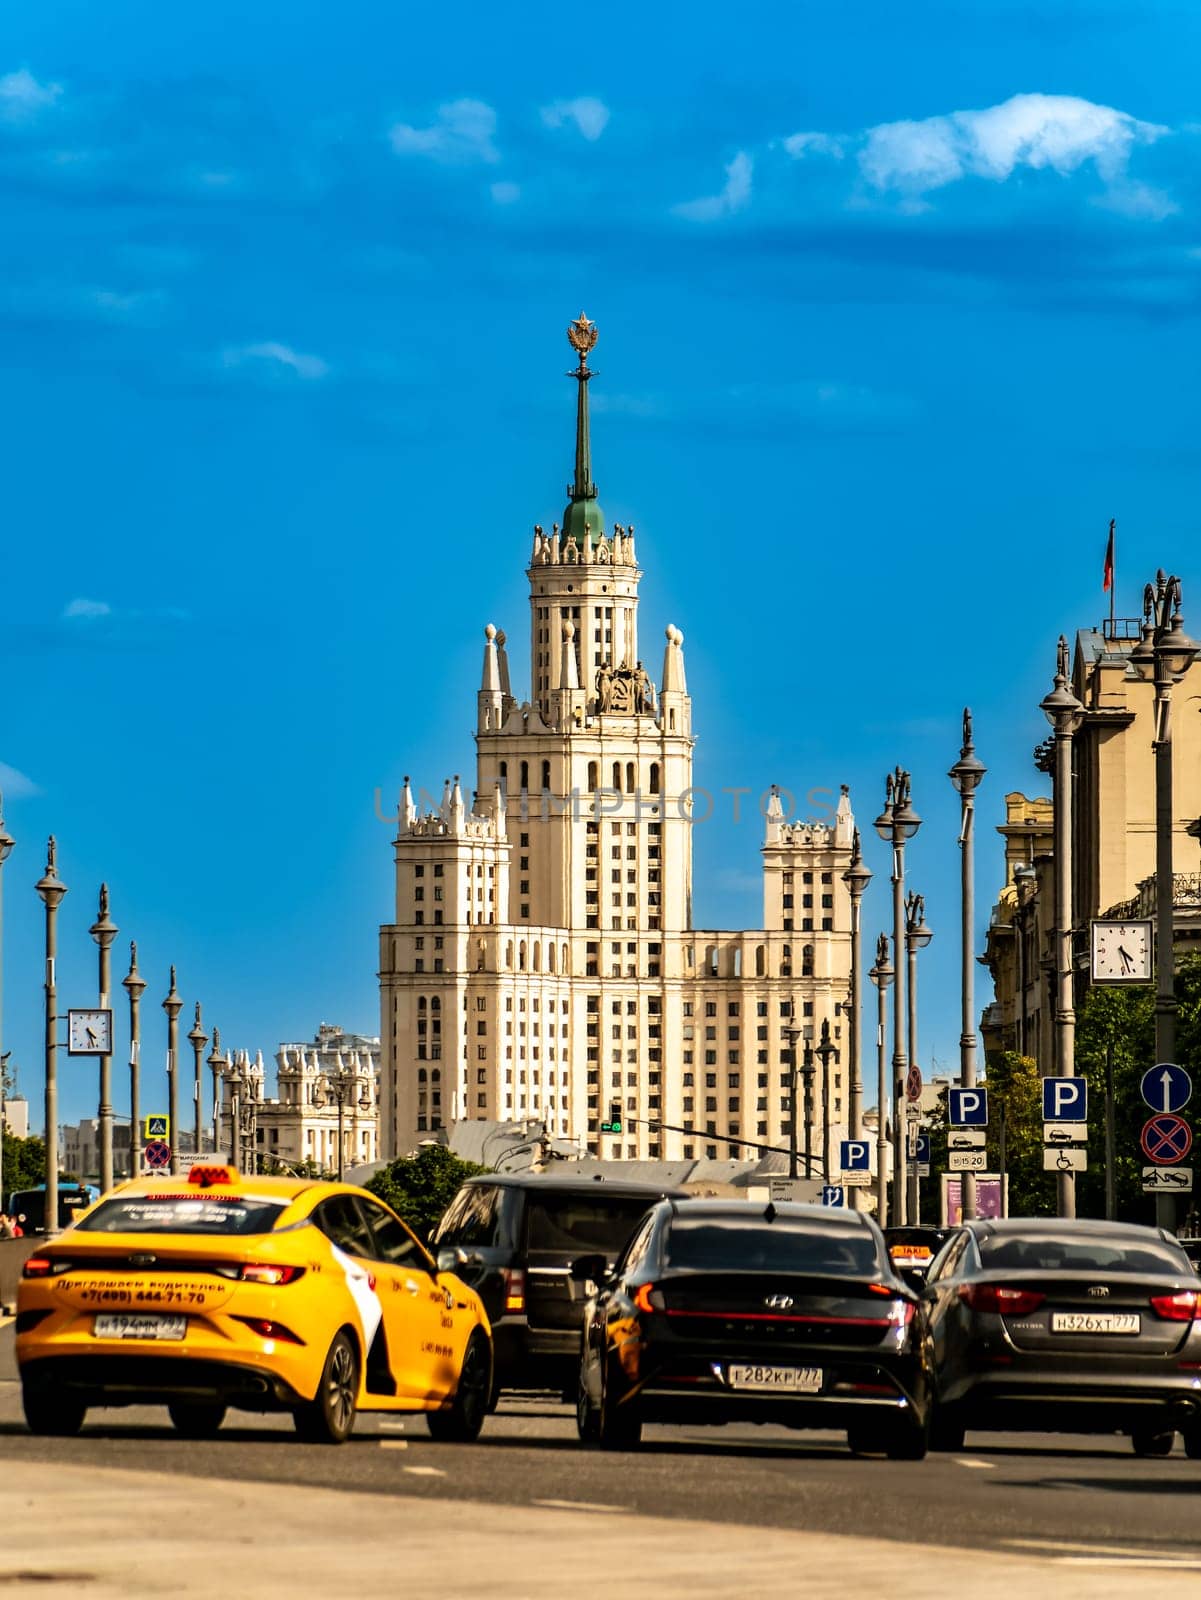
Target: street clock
{"x": 89, "y": 1033}
{"x": 1122, "y": 951}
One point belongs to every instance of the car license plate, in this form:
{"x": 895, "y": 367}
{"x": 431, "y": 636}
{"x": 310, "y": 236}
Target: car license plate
{"x": 1095, "y": 1322}
{"x": 793, "y": 1380}
{"x": 118, "y": 1326}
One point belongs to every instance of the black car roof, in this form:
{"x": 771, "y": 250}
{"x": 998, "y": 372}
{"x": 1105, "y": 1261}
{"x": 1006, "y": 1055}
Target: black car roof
{"x": 597, "y": 1184}
{"x": 785, "y": 1210}
{"x": 1065, "y": 1227}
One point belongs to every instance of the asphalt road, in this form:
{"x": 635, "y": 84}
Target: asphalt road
{"x": 1031, "y": 1494}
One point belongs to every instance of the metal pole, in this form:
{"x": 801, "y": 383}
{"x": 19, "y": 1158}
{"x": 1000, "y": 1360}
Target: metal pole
{"x": 1111, "y": 1199}
{"x": 881, "y": 975}
{"x": 825, "y": 1060}
{"x": 134, "y": 984}
{"x": 104, "y": 931}
{"x": 966, "y": 775}
{"x": 172, "y": 1005}
{"x": 793, "y": 1034}
{"x": 910, "y": 1167}
{"x": 1002, "y": 1161}
{"x": 197, "y": 1038}
{"x": 807, "y": 1073}
{"x": 898, "y": 1031}
{"x": 216, "y": 1062}
{"x": 1165, "y": 884}
{"x": 341, "y": 1093}
{"x": 6, "y": 846}
{"x": 51, "y": 889}
{"x": 857, "y": 877}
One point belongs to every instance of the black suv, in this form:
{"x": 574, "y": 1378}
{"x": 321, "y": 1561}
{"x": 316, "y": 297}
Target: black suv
{"x": 513, "y": 1237}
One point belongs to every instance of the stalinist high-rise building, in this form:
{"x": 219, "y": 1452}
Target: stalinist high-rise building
{"x": 544, "y": 961}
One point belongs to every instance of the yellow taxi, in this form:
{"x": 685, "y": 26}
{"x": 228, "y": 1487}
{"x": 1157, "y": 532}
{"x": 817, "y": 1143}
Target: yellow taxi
{"x": 267, "y": 1294}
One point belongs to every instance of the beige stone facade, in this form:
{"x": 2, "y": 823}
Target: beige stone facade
{"x": 543, "y": 960}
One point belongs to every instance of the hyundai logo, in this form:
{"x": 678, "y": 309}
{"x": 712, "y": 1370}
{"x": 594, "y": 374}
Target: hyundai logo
{"x": 779, "y": 1302}
{"x": 1098, "y": 1291}
{"x": 139, "y": 1260}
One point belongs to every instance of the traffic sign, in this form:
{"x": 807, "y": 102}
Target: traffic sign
{"x": 1065, "y": 1132}
{"x": 1065, "y": 1158}
{"x": 1167, "y": 1180}
{"x": 1166, "y": 1140}
{"x": 913, "y": 1083}
{"x": 157, "y": 1154}
{"x": 967, "y": 1160}
{"x": 966, "y": 1138}
{"x": 157, "y": 1126}
{"x": 921, "y": 1147}
{"x": 855, "y": 1155}
{"x": 833, "y": 1194}
{"x": 967, "y": 1108}
{"x": 1065, "y": 1100}
{"x": 1166, "y": 1087}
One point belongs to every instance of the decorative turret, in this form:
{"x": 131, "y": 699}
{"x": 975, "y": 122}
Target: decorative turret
{"x": 408, "y": 811}
{"x": 675, "y": 708}
{"x": 583, "y": 521}
{"x": 491, "y": 699}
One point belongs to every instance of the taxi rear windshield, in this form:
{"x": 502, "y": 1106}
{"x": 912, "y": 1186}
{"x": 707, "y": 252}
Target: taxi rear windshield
{"x": 191, "y": 1213}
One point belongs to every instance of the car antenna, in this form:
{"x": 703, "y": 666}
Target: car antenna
{"x": 770, "y": 1214}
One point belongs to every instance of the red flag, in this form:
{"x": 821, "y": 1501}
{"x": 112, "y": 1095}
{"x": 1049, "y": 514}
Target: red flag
{"x": 1107, "y": 582}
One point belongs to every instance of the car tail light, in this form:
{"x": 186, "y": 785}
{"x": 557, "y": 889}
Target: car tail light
{"x": 649, "y": 1299}
{"x": 1000, "y": 1299}
{"x": 1182, "y": 1307}
{"x": 514, "y": 1289}
{"x": 44, "y": 1267}
{"x": 266, "y": 1329}
{"x": 902, "y": 1314}
{"x": 269, "y": 1272}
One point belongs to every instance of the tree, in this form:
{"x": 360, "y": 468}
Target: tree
{"x": 1121, "y": 1020}
{"x": 24, "y": 1162}
{"x": 419, "y": 1188}
{"x": 1015, "y": 1106}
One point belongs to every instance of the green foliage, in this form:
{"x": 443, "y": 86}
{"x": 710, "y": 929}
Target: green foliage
{"x": 1124, "y": 1020}
{"x": 419, "y": 1188}
{"x": 24, "y": 1162}
{"x": 1015, "y": 1117}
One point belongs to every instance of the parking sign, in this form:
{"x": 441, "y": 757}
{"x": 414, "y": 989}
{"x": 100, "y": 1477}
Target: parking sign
{"x": 1065, "y": 1100}
{"x": 967, "y": 1108}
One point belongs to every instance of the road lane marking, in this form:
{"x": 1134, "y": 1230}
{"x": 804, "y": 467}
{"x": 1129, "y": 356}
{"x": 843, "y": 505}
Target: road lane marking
{"x": 970, "y": 1461}
{"x": 394, "y": 1444}
{"x": 577, "y": 1505}
{"x": 392, "y": 1427}
{"x": 424, "y": 1472}
{"x": 1151, "y": 1552}
{"x": 1128, "y": 1563}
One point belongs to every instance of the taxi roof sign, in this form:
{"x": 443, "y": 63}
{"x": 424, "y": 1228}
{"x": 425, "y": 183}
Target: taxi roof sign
{"x": 206, "y": 1176}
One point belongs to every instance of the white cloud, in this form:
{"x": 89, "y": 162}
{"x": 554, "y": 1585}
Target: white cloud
{"x": 505, "y": 193}
{"x": 590, "y": 115}
{"x": 462, "y": 132}
{"x": 82, "y": 607}
{"x": 799, "y": 145}
{"x": 1037, "y": 131}
{"x": 22, "y": 96}
{"x": 283, "y": 355}
{"x": 15, "y": 785}
{"x": 735, "y": 194}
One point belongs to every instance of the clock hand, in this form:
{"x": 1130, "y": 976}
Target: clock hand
{"x": 1127, "y": 960}
{"x": 91, "y": 1033}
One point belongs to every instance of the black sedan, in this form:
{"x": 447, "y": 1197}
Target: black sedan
{"x": 1083, "y": 1327}
{"x": 726, "y": 1311}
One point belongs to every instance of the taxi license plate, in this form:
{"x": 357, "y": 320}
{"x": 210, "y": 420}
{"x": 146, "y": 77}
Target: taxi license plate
{"x": 113, "y": 1325}
{"x": 1095, "y": 1322}
{"x": 792, "y": 1380}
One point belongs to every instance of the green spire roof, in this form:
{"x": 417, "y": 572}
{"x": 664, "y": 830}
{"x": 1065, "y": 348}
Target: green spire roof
{"x": 583, "y": 511}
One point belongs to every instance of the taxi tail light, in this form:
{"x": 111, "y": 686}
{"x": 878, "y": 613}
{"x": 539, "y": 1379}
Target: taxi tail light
{"x": 514, "y": 1289}
{"x": 44, "y": 1267}
{"x": 266, "y": 1329}
{"x": 1001, "y": 1300}
{"x": 269, "y": 1272}
{"x": 1182, "y": 1307}
{"x": 649, "y": 1299}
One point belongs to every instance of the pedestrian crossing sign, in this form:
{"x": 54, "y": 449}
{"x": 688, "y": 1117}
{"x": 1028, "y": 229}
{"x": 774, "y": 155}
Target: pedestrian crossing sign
{"x": 156, "y": 1127}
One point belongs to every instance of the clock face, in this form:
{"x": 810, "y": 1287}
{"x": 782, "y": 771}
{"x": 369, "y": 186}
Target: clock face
{"x": 90, "y": 1033}
{"x": 1122, "y": 952}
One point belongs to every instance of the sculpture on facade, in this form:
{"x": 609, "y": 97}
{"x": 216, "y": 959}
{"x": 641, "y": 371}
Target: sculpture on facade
{"x": 624, "y": 691}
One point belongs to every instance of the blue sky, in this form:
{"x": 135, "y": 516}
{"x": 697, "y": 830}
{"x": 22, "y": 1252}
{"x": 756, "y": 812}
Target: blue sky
{"x": 897, "y": 308}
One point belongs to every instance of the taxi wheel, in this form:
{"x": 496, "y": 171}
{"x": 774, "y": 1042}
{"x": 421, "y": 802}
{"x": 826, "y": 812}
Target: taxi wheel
{"x": 1152, "y": 1442}
{"x": 196, "y": 1422}
{"x": 329, "y": 1417}
{"x": 52, "y": 1414}
{"x": 461, "y": 1422}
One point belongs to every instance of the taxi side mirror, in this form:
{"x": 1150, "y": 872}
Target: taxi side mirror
{"x": 451, "y": 1260}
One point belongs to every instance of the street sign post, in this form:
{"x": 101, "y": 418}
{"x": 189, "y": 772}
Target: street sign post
{"x": 913, "y": 1083}
{"x": 966, "y": 1138}
{"x": 156, "y": 1154}
{"x": 1065, "y": 1132}
{"x": 967, "y": 1108}
{"x": 156, "y": 1126}
{"x": 1166, "y": 1087}
{"x": 855, "y": 1158}
{"x": 1167, "y": 1180}
{"x": 1166, "y": 1140}
{"x": 967, "y": 1160}
{"x": 1065, "y": 1100}
{"x": 833, "y": 1194}
{"x": 1064, "y": 1158}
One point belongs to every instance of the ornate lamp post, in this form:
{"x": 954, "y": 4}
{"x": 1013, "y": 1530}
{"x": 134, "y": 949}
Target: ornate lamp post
{"x": 51, "y": 889}
{"x": 881, "y": 975}
{"x": 217, "y": 1065}
{"x": 966, "y": 775}
{"x": 197, "y": 1038}
{"x": 104, "y": 931}
{"x": 342, "y": 1085}
{"x": 1162, "y": 656}
{"x": 897, "y": 824}
{"x": 856, "y": 877}
{"x": 235, "y": 1082}
{"x": 827, "y": 1051}
{"x": 173, "y": 1005}
{"x": 792, "y": 1033}
{"x": 1063, "y": 711}
{"x": 133, "y": 984}
{"x": 6, "y": 847}
{"x": 917, "y": 937}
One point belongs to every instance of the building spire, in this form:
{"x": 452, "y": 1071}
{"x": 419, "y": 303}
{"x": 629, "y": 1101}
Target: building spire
{"x": 581, "y": 335}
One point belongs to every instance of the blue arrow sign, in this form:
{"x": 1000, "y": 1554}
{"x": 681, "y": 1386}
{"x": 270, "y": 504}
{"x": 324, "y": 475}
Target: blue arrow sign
{"x": 1166, "y": 1087}
{"x": 856, "y": 1155}
{"x": 1065, "y": 1100}
{"x": 834, "y": 1195}
{"x": 921, "y": 1148}
{"x": 967, "y": 1108}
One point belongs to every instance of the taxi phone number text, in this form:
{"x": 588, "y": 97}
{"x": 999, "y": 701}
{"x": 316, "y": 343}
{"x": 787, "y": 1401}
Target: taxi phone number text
{"x": 126, "y": 1297}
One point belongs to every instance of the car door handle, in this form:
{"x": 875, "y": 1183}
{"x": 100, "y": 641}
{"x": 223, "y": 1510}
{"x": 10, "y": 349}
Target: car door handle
{"x": 410, "y": 1286}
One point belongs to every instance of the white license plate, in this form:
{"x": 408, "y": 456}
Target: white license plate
{"x": 793, "y": 1380}
{"x": 1095, "y": 1322}
{"x": 118, "y": 1326}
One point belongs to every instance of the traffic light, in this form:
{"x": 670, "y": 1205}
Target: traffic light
{"x": 614, "y": 1123}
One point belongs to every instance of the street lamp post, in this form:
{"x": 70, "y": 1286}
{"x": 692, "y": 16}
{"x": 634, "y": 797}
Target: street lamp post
{"x": 897, "y": 824}
{"x": 173, "y": 1005}
{"x": 217, "y": 1064}
{"x": 197, "y": 1038}
{"x": 234, "y": 1082}
{"x": 792, "y": 1033}
{"x": 51, "y": 890}
{"x": 6, "y": 848}
{"x": 1163, "y": 655}
{"x": 133, "y": 984}
{"x": 856, "y": 877}
{"x": 342, "y": 1085}
{"x": 917, "y": 937}
{"x": 827, "y": 1051}
{"x": 104, "y": 931}
{"x": 1064, "y": 712}
{"x": 966, "y": 775}
{"x": 807, "y": 1071}
{"x": 881, "y": 975}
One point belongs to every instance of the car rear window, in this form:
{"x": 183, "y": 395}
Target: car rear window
{"x": 190, "y": 1213}
{"x": 1055, "y": 1253}
{"x": 567, "y": 1225}
{"x": 473, "y": 1219}
{"x": 746, "y": 1244}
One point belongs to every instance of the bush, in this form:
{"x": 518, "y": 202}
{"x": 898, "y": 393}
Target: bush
{"x": 419, "y": 1188}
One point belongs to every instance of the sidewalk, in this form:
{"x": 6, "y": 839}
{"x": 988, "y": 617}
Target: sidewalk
{"x": 107, "y": 1535}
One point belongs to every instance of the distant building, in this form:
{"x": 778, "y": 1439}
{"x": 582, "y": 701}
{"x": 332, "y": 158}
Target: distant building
{"x": 79, "y": 1148}
{"x": 16, "y": 1116}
